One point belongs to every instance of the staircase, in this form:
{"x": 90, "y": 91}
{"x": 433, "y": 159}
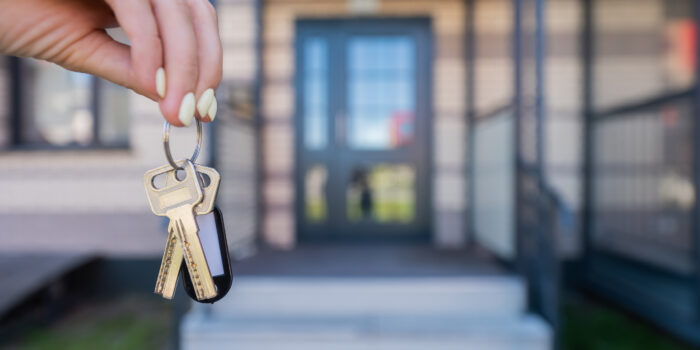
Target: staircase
{"x": 373, "y": 313}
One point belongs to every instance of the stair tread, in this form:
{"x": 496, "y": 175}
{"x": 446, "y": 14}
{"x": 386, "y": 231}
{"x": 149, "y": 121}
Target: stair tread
{"x": 484, "y": 312}
{"x": 453, "y": 281}
{"x": 523, "y": 326}
{"x": 402, "y": 296}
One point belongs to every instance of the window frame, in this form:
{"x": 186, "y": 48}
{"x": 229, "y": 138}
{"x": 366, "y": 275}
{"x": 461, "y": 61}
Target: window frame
{"x": 18, "y": 119}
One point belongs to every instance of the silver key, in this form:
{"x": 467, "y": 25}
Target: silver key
{"x": 177, "y": 200}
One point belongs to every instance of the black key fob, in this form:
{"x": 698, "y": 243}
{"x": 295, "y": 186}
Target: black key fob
{"x": 212, "y": 235}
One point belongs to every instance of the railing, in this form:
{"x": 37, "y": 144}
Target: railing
{"x": 517, "y": 216}
{"x": 541, "y": 215}
{"x": 642, "y": 182}
{"x": 641, "y": 205}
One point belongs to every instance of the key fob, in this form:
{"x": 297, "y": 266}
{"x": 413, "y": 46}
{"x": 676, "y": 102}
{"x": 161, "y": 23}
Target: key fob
{"x": 212, "y": 235}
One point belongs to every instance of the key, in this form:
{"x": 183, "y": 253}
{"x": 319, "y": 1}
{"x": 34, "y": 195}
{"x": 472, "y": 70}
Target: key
{"x": 177, "y": 200}
{"x": 172, "y": 259}
{"x": 172, "y": 253}
{"x": 213, "y": 236}
{"x": 166, "y": 282}
{"x": 210, "y": 189}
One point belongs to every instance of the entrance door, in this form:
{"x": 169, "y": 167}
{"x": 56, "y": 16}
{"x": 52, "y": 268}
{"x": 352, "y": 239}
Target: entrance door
{"x": 362, "y": 126}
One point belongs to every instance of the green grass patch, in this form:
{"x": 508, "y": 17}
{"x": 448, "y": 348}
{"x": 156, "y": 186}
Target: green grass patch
{"x": 592, "y": 326}
{"x": 131, "y": 323}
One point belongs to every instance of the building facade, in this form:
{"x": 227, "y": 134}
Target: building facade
{"x": 264, "y": 151}
{"x": 396, "y": 120}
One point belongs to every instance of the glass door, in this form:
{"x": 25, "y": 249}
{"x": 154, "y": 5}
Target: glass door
{"x": 362, "y": 126}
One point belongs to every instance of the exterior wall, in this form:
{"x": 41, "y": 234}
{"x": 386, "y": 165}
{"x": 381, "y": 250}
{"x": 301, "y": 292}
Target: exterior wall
{"x": 492, "y": 202}
{"x": 87, "y": 200}
{"x": 563, "y": 129}
{"x": 55, "y": 185}
{"x": 493, "y": 61}
{"x": 93, "y": 200}
{"x": 236, "y": 139}
{"x": 639, "y": 69}
{"x": 449, "y": 132}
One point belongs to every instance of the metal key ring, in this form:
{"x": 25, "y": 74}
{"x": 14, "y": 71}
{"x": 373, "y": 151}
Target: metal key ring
{"x": 166, "y": 144}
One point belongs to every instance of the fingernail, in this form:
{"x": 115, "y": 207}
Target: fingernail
{"x": 205, "y": 102}
{"x": 187, "y": 109}
{"x": 160, "y": 82}
{"x": 212, "y": 110}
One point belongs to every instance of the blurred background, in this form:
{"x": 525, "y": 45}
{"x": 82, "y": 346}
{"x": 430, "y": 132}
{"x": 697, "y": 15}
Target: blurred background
{"x": 414, "y": 174}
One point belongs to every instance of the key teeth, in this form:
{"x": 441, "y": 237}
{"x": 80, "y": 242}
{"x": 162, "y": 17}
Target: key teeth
{"x": 207, "y": 290}
{"x": 166, "y": 281}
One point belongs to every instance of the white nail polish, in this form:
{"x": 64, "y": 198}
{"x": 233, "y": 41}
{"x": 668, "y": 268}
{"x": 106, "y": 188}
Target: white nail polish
{"x": 205, "y": 102}
{"x": 212, "y": 110}
{"x": 187, "y": 109}
{"x": 160, "y": 82}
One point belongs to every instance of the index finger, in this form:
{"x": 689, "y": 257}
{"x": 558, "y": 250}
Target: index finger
{"x": 137, "y": 19}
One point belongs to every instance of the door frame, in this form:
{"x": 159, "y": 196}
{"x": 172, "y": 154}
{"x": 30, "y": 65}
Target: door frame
{"x": 418, "y": 27}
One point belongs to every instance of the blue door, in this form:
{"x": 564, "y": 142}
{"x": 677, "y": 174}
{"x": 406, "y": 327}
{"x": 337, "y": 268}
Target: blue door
{"x": 362, "y": 128}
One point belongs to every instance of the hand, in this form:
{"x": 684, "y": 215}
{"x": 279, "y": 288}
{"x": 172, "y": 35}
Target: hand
{"x": 180, "y": 36}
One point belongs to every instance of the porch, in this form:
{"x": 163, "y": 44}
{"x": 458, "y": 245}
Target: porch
{"x": 367, "y": 139}
{"x": 369, "y": 297}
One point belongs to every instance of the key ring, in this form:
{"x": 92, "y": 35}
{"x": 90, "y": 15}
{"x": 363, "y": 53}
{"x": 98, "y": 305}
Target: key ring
{"x": 166, "y": 144}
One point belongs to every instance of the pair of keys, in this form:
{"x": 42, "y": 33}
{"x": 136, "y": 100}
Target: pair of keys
{"x": 196, "y": 231}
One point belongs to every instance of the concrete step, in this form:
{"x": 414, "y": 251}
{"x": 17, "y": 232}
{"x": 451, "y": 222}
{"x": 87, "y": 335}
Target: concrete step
{"x": 489, "y": 296}
{"x": 202, "y": 331}
{"x": 367, "y": 313}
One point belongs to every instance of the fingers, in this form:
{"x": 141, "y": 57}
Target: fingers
{"x": 108, "y": 59}
{"x": 137, "y": 19}
{"x": 209, "y": 55}
{"x": 175, "y": 58}
{"x": 180, "y": 60}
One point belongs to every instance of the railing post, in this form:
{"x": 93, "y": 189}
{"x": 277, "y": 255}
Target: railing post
{"x": 587, "y": 63}
{"x": 258, "y": 121}
{"x": 517, "y": 122}
{"x": 696, "y": 173}
{"x": 16, "y": 104}
{"x": 470, "y": 56}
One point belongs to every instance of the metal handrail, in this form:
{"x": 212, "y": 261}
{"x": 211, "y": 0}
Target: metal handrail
{"x": 654, "y": 102}
{"x": 492, "y": 113}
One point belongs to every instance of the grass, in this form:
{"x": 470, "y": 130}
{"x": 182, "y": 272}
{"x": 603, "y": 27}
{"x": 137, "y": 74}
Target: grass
{"x": 129, "y": 323}
{"x": 592, "y": 326}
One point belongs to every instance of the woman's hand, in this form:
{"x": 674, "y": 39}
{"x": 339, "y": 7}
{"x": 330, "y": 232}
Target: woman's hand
{"x": 177, "y": 39}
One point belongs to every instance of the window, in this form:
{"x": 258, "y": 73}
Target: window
{"x": 57, "y": 108}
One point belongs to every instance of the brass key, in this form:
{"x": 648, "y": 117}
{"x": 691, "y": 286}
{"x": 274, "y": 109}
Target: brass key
{"x": 177, "y": 200}
{"x": 166, "y": 281}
